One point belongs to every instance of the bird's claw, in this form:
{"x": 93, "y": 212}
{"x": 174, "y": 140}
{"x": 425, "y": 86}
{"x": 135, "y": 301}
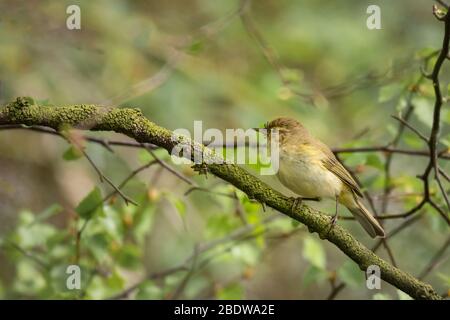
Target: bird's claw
{"x": 201, "y": 168}
{"x": 333, "y": 221}
{"x": 297, "y": 201}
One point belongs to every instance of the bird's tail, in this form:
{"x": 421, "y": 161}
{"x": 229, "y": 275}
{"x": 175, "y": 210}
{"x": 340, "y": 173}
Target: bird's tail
{"x": 365, "y": 218}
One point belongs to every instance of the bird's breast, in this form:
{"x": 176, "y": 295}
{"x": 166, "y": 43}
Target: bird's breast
{"x": 304, "y": 174}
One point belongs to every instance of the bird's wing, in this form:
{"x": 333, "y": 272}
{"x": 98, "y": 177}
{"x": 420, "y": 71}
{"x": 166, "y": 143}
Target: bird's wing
{"x": 331, "y": 163}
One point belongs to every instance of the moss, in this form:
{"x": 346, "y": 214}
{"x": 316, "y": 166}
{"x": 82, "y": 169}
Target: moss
{"x": 24, "y": 110}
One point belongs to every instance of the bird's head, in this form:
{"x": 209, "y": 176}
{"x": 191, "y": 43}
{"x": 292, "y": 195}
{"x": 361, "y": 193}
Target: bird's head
{"x": 285, "y": 127}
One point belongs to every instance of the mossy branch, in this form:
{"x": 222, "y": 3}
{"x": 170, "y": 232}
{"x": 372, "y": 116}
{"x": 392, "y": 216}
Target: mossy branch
{"x": 132, "y": 123}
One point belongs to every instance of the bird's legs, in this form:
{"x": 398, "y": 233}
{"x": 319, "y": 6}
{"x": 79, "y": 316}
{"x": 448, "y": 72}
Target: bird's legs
{"x": 335, "y": 217}
{"x": 298, "y": 201}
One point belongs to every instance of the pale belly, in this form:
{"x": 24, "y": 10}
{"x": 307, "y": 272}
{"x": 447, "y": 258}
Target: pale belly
{"x": 308, "y": 179}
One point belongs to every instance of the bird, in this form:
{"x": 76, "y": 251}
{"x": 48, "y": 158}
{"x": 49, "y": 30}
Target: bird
{"x": 310, "y": 169}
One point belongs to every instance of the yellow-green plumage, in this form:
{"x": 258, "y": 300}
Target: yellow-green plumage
{"x": 310, "y": 169}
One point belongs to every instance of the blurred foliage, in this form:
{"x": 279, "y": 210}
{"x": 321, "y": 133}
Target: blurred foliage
{"x": 181, "y": 61}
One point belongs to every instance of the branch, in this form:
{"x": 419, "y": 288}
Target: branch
{"x": 410, "y": 127}
{"x": 390, "y": 150}
{"x": 132, "y": 123}
{"x": 433, "y": 140}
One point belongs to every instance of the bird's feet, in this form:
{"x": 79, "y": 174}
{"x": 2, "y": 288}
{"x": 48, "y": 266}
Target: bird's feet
{"x": 297, "y": 201}
{"x": 334, "y": 220}
{"x": 201, "y": 168}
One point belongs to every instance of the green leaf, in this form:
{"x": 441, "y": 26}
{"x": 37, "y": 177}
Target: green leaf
{"x": 351, "y": 275}
{"x": 251, "y": 207}
{"x": 196, "y": 47}
{"x": 91, "y": 205}
{"x": 98, "y": 245}
{"x": 219, "y": 225}
{"x": 72, "y": 153}
{"x": 29, "y": 279}
{"x": 374, "y": 160}
{"x": 26, "y": 217}
{"x": 35, "y": 235}
{"x": 314, "y": 253}
{"x": 115, "y": 281}
{"x": 129, "y": 256}
{"x": 149, "y": 291}
{"x": 313, "y": 275}
{"x": 355, "y": 159}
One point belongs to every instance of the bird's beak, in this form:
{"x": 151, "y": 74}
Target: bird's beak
{"x": 256, "y": 129}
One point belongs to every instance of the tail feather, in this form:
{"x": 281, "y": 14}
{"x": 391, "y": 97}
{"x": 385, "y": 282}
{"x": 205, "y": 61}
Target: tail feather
{"x": 368, "y": 222}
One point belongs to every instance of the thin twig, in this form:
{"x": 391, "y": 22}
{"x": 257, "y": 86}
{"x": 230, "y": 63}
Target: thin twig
{"x": 335, "y": 291}
{"x": 170, "y": 169}
{"x": 410, "y": 127}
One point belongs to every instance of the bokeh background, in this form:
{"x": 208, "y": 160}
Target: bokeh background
{"x": 231, "y": 67}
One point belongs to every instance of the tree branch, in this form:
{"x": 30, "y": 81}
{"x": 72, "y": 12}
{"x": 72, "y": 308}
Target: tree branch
{"x": 132, "y": 123}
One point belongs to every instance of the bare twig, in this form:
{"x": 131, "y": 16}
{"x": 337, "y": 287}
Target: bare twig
{"x": 433, "y": 139}
{"x": 170, "y": 169}
{"x": 336, "y": 290}
{"x": 105, "y": 178}
{"x": 410, "y": 127}
{"x": 110, "y": 195}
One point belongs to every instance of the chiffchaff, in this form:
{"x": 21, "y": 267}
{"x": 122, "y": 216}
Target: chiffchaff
{"x": 310, "y": 169}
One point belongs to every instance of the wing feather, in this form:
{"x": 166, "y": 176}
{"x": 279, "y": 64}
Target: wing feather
{"x": 332, "y": 163}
